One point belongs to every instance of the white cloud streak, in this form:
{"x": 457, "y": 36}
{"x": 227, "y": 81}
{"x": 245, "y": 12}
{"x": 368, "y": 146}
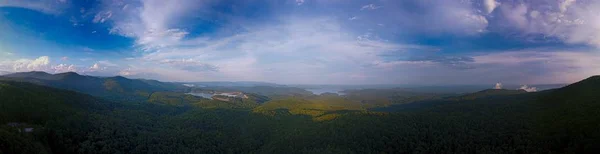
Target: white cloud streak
{"x": 569, "y": 20}
{"x": 151, "y": 23}
{"x": 527, "y": 88}
{"x": 61, "y": 68}
{"x": 321, "y": 49}
{"x": 41, "y": 63}
{"x": 45, "y": 6}
{"x": 44, "y": 63}
{"x": 370, "y": 7}
{"x": 490, "y": 5}
{"x": 301, "y": 49}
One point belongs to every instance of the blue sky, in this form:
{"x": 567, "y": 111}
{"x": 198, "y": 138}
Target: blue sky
{"x": 429, "y": 42}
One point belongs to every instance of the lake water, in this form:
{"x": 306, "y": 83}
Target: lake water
{"x": 209, "y": 95}
{"x": 203, "y": 95}
{"x": 319, "y": 91}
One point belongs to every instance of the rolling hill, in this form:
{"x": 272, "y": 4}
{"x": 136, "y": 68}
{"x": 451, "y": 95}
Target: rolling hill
{"x": 571, "y": 116}
{"x": 489, "y": 93}
{"x": 270, "y": 91}
{"x": 114, "y": 88}
{"x": 29, "y": 103}
{"x": 564, "y": 120}
{"x": 323, "y": 107}
{"x": 30, "y": 115}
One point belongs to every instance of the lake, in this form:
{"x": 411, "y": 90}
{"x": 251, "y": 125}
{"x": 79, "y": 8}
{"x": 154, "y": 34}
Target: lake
{"x": 319, "y": 91}
{"x": 203, "y": 95}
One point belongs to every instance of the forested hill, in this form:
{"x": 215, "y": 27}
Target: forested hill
{"x": 38, "y": 119}
{"x": 34, "y": 104}
{"x": 571, "y": 116}
{"x": 489, "y": 93}
{"x": 107, "y": 87}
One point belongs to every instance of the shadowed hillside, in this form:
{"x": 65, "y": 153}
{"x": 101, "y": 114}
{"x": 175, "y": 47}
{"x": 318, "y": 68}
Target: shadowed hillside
{"x": 30, "y": 113}
{"x": 39, "y": 119}
{"x": 489, "y": 93}
{"x": 107, "y": 87}
{"x": 570, "y": 116}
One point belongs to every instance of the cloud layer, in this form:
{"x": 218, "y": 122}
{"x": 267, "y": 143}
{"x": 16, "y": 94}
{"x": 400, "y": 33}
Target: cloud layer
{"x": 319, "y": 42}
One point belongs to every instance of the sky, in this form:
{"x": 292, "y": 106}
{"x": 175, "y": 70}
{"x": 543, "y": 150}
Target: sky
{"x": 428, "y": 42}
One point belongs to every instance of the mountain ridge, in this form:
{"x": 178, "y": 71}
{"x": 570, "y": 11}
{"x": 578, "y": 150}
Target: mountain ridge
{"x": 106, "y": 87}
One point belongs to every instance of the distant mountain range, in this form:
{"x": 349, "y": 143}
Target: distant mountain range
{"x": 4, "y": 72}
{"x": 121, "y": 87}
{"x": 230, "y": 84}
{"x": 563, "y": 120}
{"x": 35, "y": 104}
{"x": 106, "y": 87}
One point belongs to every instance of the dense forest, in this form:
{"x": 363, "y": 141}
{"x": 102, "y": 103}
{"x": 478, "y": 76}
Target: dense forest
{"x": 35, "y": 118}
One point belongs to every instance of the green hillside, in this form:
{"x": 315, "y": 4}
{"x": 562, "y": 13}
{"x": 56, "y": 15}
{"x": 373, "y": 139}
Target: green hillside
{"x": 320, "y": 107}
{"x": 42, "y": 109}
{"x": 563, "y": 120}
{"x": 569, "y": 118}
{"x": 489, "y": 93}
{"x": 29, "y": 103}
{"x": 273, "y": 92}
{"x": 181, "y": 99}
{"x": 386, "y": 97}
{"x": 114, "y": 88}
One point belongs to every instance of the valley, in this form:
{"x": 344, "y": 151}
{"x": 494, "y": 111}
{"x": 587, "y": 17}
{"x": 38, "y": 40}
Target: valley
{"x": 61, "y": 117}
{"x": 299, "y": 76}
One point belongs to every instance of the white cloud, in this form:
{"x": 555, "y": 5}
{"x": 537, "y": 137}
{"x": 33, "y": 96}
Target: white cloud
{"x": 38, "y": 64}
{"x": 324, "y": 50}
{"x": 498, "y": 86}
{"x": 42, "y": 63}
{"x": 302, "y": 49}
{"x": 135, "y": 72}
{"x": 370, "y": 7}
{"x": 151, "y": 23}
{"x": 64, "y": 68}
{"x": 516, "y": 15}
{"x": 107, "y": 63}
{"x": 308, "y": 48}
{"x": 299, "y": 2}
{"x": 528, "y": 66}
{"x": 527, "y": 88}
{"x": 45, "y": 6}
{"x": 570, "y": 21}
{"x": 564, "y": 5}
{"x": 189, "y": 65}
{"x": 127, "y": 72}
{"x": 490, "y": 5}
{"x": 539, "y": 66}
{"x": 96, "y": 68}
{"x": 102, "y": 17}
{"x": 86, "y": 49}
{"x": 434, "y": 17}
{"x": 20, "y": 65}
